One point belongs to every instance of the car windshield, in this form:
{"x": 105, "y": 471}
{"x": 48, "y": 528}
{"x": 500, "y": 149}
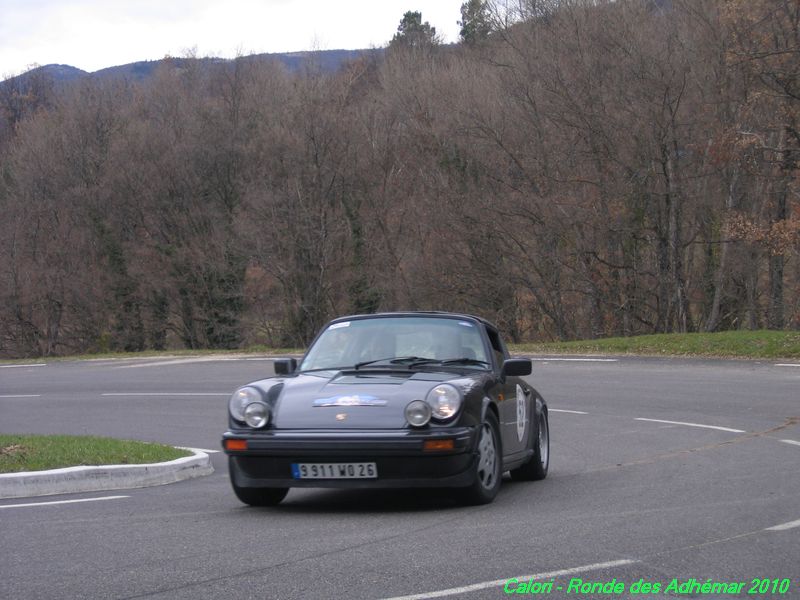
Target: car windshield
{"x": 397, "y": 342}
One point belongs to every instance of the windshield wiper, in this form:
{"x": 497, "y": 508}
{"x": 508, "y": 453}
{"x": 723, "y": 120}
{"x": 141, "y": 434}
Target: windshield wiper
{"x": 391, "y": 359}
{"x": 448, "y": 361}
{"x": 418, "y": 361}
{"x": 464, "y": 361}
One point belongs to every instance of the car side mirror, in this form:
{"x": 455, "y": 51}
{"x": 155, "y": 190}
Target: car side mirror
{"x": 285, "y": 366}
{"x": 517, "y": 367}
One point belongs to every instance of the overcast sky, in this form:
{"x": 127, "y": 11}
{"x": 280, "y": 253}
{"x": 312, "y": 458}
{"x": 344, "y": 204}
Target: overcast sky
{"x": 94, "y": 34}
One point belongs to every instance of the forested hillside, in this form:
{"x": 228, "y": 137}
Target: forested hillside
{"x": 572, "y": 169}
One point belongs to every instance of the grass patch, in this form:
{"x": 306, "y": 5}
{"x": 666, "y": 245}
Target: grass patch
{"x": 258, "y": 349}
{"x": 726, "y": 344}
{"x": 41, "y": 452}
{"x": 762, "y": 344}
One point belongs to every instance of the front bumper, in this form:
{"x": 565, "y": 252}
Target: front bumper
{"x": 399, "y": 456}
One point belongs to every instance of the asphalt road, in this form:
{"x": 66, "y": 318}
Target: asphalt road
{"x": 626, "y": 499}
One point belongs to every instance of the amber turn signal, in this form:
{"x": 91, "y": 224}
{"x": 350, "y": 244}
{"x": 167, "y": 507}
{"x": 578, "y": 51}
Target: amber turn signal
{"x": 434, "y": 445}
{"x": 235, "y": 444}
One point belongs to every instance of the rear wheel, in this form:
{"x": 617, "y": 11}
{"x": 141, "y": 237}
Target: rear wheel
{"x": 536, "y": 468}
{"x": 488, "y": 471}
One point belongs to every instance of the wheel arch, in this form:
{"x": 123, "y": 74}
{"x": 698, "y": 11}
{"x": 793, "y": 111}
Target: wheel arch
{"x": 489, "y": 405}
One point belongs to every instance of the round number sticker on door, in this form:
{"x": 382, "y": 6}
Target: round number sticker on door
{"x": 521, "y": 413}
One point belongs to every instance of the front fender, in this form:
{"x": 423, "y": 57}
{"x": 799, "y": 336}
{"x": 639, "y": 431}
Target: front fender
{"x": 487, "y": 404}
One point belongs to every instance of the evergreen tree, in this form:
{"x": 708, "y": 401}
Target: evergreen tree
{"x": 475, "y": 21}
{"x": 413, "y": 33}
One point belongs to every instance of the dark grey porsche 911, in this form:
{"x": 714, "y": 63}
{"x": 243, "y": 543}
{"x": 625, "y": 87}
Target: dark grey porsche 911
{"x": 393, "y": 400}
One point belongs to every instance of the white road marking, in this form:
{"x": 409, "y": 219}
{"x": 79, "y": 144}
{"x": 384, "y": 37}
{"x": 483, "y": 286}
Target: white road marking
{"x": 63, "y": 502}
{"x": 573, "y": 412}
{"x": 787, "y": 365}
{"x": 20, "y": 396}
{"x": 22, "y": 366}
{"x": 793, "y": 442}
{"x": 498, "y": 582}
{"x": 198, "y": 450}
{"x": 164, "y": 363}
{"x": 543, "y": 359}
{"x": 692, "y": 425}
{"x": 166, "y": 394}
{"x": 784, "y": 526}
{"x": 188, "y": 361}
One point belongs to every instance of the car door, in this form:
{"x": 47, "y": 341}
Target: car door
{"x": 513, "y": 400}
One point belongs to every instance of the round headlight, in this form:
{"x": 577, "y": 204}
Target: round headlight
{"x": 240, "y": 399}
{"x": 445, "y": 400}
{"x": 256, "y": 415}
{"x": 418, "y": 413}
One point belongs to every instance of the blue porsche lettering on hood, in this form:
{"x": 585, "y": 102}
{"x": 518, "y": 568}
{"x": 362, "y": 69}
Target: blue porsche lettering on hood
{"x": 350, "y": 400}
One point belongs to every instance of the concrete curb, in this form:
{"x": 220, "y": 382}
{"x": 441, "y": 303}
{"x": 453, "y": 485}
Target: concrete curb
{"x": 108, "y": 477}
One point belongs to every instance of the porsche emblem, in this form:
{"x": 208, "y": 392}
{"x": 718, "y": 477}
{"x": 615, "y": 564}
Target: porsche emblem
{"x": 341, "y": 416}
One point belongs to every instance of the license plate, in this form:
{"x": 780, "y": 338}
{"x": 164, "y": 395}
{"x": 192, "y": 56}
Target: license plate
{"x": 334, "y": 470}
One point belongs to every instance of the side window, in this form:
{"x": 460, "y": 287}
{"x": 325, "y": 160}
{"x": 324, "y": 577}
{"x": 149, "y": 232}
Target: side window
{"x": 497, "y": 347}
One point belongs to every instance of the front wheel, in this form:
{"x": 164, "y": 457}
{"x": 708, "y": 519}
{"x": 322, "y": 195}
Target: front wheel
{"x": 488, "y": 471}
{"x": 260, "y": 496}
{"x": 256, "y": 496}
{"x": 536, "y": 468}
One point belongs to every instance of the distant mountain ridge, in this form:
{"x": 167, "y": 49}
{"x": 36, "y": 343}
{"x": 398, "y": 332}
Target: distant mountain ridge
{"x": 326, "y": 60}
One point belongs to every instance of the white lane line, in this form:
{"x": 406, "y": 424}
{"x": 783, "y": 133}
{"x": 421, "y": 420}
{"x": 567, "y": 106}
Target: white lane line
{"x": 188, "y": 361}
{"x": 198, "y": 450}
{"x": 22, "y": 366}
{"x": 543, "y": 359}
{"x": 498, "y": 582}
{"x": 692, "y": 425}
{"x": 164, "y": 363}
{"x": 63, "y": 502}
{"x": 787, "y": 365}
{"x": 784, "y": 526}
{"x": 572, "y": 412}
{"x": 793, "y": 442}
{"x": 20, "y": 396}
{"x": 166, "y": 394}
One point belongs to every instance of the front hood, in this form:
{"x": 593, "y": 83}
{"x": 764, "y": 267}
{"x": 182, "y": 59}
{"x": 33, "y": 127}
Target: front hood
{"x": 347, "y": 400}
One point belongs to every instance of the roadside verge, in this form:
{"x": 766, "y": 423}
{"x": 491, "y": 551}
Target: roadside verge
{"x": 107, "y": 477}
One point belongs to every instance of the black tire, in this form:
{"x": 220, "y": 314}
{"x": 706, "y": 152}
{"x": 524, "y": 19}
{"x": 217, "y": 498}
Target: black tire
{"x": 489, "y": 463}
{"x": 260, "y": 496}
{"x": 255, "y": 496}
{"x": 536, "y": 468}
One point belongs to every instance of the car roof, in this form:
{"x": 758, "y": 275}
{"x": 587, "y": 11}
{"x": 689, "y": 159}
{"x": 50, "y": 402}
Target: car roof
{"x": 420, "y": 313}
